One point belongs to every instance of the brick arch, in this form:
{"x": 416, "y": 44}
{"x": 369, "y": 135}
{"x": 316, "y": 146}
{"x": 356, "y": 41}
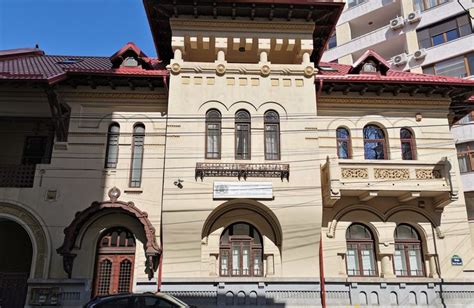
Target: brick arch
{"x": 71, "y": 233}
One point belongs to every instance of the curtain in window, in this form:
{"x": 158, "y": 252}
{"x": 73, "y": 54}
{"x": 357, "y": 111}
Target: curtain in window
{"x": 213, "y": 132}
{"x": 343, "y": 143}
{"x": 137, "y": 155}
{"x": 111, "y": 156}
{"x": 272, "y": 135}
{"x": 374, "y": 143}
{"x": 242, "y": 135}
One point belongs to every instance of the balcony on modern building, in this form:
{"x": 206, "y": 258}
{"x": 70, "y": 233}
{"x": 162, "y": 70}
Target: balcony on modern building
{"x": 363, "y": 9}
{"x": 385, "y": 41}
{"x": 404, "y": 180}
{"x": 27, "y": 142}
{"x": 439, "y": 53}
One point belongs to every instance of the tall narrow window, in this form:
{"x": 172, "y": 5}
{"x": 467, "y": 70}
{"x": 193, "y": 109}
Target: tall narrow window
{"x": 242, "y": 134}
{"x": 407, "y": 144}
{"x": 375, "y": 146}
{"x": 407, "y": 259}
{"x": 137, "y": 155}
{"x": 241, "y": 251}
{"x": 343, "y": 143}
{"x": 213, "y": 134}
{"x": 111, "y": 155}
{"x": 360, "y": 251}
{"x": 272, "y": 135}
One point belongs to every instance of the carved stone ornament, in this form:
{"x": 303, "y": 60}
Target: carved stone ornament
{"x": 114, "y": 194}
{"x": 392, "y": 174}
{"x": 308, "y": 71}
{"x": 152, "y": 249}
{"x": 220, "y": 69}
{"x": 265, "y": 70}
{"x": 427, "y": 174}
{"x": 354, "y": 173}
{"x": 175, "y": 68}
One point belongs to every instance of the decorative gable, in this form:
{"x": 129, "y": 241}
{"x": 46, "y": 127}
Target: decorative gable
{"x": 130, "y": 56}
{"x": 370, "y": 63}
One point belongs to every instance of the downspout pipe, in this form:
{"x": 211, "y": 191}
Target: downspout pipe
{"x": 321, "y": 272}
{"x": 438, "y": 268}
{"x": 160, "y": 269}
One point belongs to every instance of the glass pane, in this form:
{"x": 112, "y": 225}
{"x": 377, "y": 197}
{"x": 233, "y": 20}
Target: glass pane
{"x": 463, "y": 163}
{"x": 352, "y": 262}
{"x": 136, "y": 172}
{"x": 213, "y": 148}
{"x": 271, "y": 141}
{"x": 243, "y": 141}
{"x": 125, "y": 276}
{"x": 236, "y": 260}
{"x": 470, "y": 63}
{"x": 112, "y": 150}
{"x": 257, "y": 263}
{"x": 343, "y": 149}
{"x": 241, "y": 229}
{"x": 342, "y": 133}
{"x": 406, "y": 151}
{"x": 415, "y": 262}
{"x": 405, "y": 232}
{"x": 438, "y": 39}
{"x": 374, "y": 150}
{"x": 246, "y": 260}
{"x": 452, "y": 35}
{"x": 224, "y": 262}
{"x": 357, "y": 231}
{"x": 399, "y": 261}
{"x": 367, "y": 261}
{"x": 453, "y": 67}
{"x": 104, "y": 276}
{"x": 373, "y": 132}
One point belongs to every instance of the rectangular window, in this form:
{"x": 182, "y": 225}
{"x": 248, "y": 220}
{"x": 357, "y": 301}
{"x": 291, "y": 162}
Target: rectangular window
{"x": 35, "y": 150}
{"x": 272, "y": 142}
{"x": 445, "y": 31}
{"x": 137, "y": 160}
{"x": 466, "y": 157}
{"x": 112, "y": 151}
{"x": 460, "y": 66}
{"x": 332, "y": 42}
{"x": 242, "y": 141}
{"x": 213, "y": 140}
{"x": 422, "y": 5}
{"x": 352, "y": 3}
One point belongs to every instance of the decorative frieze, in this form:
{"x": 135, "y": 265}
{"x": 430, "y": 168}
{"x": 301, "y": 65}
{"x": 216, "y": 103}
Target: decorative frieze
{"x": 392, "y": 174}
{"x": 428, "y": 174}
{"x": 354, "y": 173}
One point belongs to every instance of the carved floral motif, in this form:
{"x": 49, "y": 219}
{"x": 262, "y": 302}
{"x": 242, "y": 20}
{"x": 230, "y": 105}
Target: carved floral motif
{"x": 394, "y": 174}
{"x": 354, "y": 173}
{"x": 427, "y": 174}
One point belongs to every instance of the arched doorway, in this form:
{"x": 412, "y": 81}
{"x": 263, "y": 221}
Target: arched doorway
{"x": 15, "y": 263}
{"x": 115, "y": 262}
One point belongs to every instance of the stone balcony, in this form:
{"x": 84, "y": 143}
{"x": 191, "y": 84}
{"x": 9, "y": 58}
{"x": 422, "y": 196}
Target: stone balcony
{"x": 404, "y": 180}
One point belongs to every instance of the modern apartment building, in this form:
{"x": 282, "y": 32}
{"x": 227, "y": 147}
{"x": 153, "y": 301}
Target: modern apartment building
{"x": 422, "y": 36}
{"x": 237, "y": 169}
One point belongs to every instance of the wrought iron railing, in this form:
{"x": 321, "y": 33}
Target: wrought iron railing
{"x": 17, "y": 175}
{"x": 281, "y": 171}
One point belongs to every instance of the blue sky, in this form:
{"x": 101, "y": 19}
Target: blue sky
{"x": 74, "y": 27}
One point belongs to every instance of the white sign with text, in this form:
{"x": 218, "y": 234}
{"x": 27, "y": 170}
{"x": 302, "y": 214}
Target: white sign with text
{"x": 250, "y": 190}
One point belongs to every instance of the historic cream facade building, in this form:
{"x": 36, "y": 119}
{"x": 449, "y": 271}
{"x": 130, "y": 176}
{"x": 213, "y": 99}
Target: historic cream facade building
{"x": 235, "y": 170}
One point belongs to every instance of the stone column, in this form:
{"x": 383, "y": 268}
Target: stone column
{"x": 270, "y": 266}
{"x": 432, "y": 271}
{"x": 213, "y": 266}
{"x": 221, "y": 48}
{"x": 387, "y": 266}
{"x": 342, "y": 263}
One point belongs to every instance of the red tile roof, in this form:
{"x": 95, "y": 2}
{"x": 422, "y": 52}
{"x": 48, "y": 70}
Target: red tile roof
{"x": 340, "y": 73}
{"x": 51, "y": 68}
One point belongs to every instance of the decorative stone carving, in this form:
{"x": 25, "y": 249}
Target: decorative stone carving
{"x": 175, "y": 68}
{"x": 392, "y": 174}
{"x": 428, "y": 174}
{"x": 309, "y": 71}
{"x": 220, "y": 69}
{"x": 354, "y": 173}
{"x": 265, "y": 70}
{"x": 152, "y": 249}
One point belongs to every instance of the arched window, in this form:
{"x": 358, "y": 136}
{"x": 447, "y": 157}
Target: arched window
{"x": 137, "y": 155}
{"x": 343, "y": 137}
{"x": 242, "y": 134}
{"x": 213, "y": 134}
{"x": 407, "y": 144}
{"x": 114, "y": 265}
{"x": 272, "y": 135}
{"x": 360, "y": 251}
{"x": 407, "y": 260}
{"x": 375, "y": 146}
{"x": 241, "y": 251}
{"x": 111, "y": 155}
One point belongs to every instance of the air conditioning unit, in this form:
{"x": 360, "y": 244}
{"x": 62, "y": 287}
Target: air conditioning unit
{"x": 397, "y": 23}
{"x": 400, "y": 59}
{"x": 419, "y": 54}
{"x": 414, "y": 17}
